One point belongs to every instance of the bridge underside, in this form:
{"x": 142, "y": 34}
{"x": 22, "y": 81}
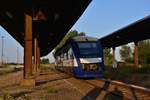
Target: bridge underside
{"x": 140, "y": 30}
{"x": 39, "y": 25}
{"x": 52, "y": 19}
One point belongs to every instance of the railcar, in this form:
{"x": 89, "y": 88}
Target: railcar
{"x": 82, "y": 56}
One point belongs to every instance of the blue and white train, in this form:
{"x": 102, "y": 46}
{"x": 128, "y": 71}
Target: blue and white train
{"x": 81, "y": 56}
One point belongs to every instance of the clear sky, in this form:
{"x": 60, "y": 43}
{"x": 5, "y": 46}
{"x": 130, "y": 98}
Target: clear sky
{"x": 101, "y": 18}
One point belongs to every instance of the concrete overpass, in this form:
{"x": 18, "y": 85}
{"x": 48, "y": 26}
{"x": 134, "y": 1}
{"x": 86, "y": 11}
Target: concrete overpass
{"x": 137, "y": 31}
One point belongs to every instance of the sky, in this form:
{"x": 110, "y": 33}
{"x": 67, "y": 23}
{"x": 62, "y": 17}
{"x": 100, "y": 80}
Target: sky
{"x": 101, "y": 18}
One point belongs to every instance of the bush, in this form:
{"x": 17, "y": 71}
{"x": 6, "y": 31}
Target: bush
{"x": 52, "y": 90}
{"x": 123, "y": 72}
{"x": 143, "y": 70}
{"x": 107, "y": 74}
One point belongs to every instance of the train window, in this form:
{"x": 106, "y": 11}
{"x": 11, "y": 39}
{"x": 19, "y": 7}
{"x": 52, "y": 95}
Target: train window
{"x": 71, "y": 56}
{"x": 61, "y": 57}
{"x": 87, "y": 45}
{"x": 65, "y": 56}
{"x": 88, "y": 49}
{"x": 58, "y": 58}
{"x": 69, "y": 53}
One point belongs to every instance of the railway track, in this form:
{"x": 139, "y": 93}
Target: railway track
{"x": 119, "y": 90}
{"x": 109, "y": 89}
{"x": 95, "y": 89}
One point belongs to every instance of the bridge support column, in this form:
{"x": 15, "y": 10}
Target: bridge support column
{"x": 28, "y": 47}
{"x": 136, "y": 54}
{"x": 28, "y": 81}
{"x": 35, "y": 56}
{"x": 38, "y": 58}
{"x": 113, "y": 54}
{"x": 114, "y": 58}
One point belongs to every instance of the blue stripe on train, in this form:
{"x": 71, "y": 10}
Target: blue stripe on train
{"x": 84, "y": 74}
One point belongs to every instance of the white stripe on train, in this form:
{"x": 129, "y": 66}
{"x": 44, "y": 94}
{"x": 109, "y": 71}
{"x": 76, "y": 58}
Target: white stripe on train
{"x": 90, "y": 60}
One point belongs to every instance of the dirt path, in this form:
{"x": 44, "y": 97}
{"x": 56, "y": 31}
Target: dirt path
{"x": 51, "y": 85}
{"x": 10, "y": 79}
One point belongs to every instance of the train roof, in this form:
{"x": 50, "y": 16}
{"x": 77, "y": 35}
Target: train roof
{"x": 77, "y": 39}
{"x": 84, "y": 38}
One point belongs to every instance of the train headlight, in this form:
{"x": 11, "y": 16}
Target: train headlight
{"x": 91, "y": 67}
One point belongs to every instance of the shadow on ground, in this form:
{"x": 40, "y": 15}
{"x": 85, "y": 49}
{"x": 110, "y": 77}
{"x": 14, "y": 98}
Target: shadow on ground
{"x": 46, "y": 81}
{"x": 94, "y": 93}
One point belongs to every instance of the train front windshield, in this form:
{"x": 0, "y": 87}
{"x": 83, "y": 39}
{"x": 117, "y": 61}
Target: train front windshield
{"x": 88, "y": 50}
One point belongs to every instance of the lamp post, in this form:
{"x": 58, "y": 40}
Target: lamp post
{"x": 0, "y": 61}
{"x": 17, "y": 56}
{"x": 2, "y": 56}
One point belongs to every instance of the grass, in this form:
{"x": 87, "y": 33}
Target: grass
{"x": 1, "y": 98}
{"x": 52, "y": 90}
{"x": 119, "y": 73}
{"x": 4, "y": 66}
{"x": 7, "y": 96}
{"x": 4, "y": 71}
{"x": 47, "y": 66}
{"x": 128, "y": 74}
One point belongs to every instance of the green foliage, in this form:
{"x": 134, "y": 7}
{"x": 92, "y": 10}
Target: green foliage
{"x": 143, "y": 70}
{"x": 144, "y": 52}
{"x": 125, "y": 71}
{"x": 69, "y": 35}
{"x": 107, "y": 56}
{"x": 1, "y": 98}
{"x": 45, "y": 61}
{"x": 64, "y": 40}
{"x": 82, "y": 33}
{"x": 7, "y": 96}
{"x": 126, "y": 54}
{"x": 106, "y": 74}
{"x": 52, "y": 90}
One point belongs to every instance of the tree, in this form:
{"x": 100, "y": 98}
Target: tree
{"x": 45, "y": 61}
{"x": 107, "y": 56}
{"x": 126, "y": 53}
{"x": 67, "y": 36}
{"x": 144, "y": 52}
{"x": 82, "y": 33}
